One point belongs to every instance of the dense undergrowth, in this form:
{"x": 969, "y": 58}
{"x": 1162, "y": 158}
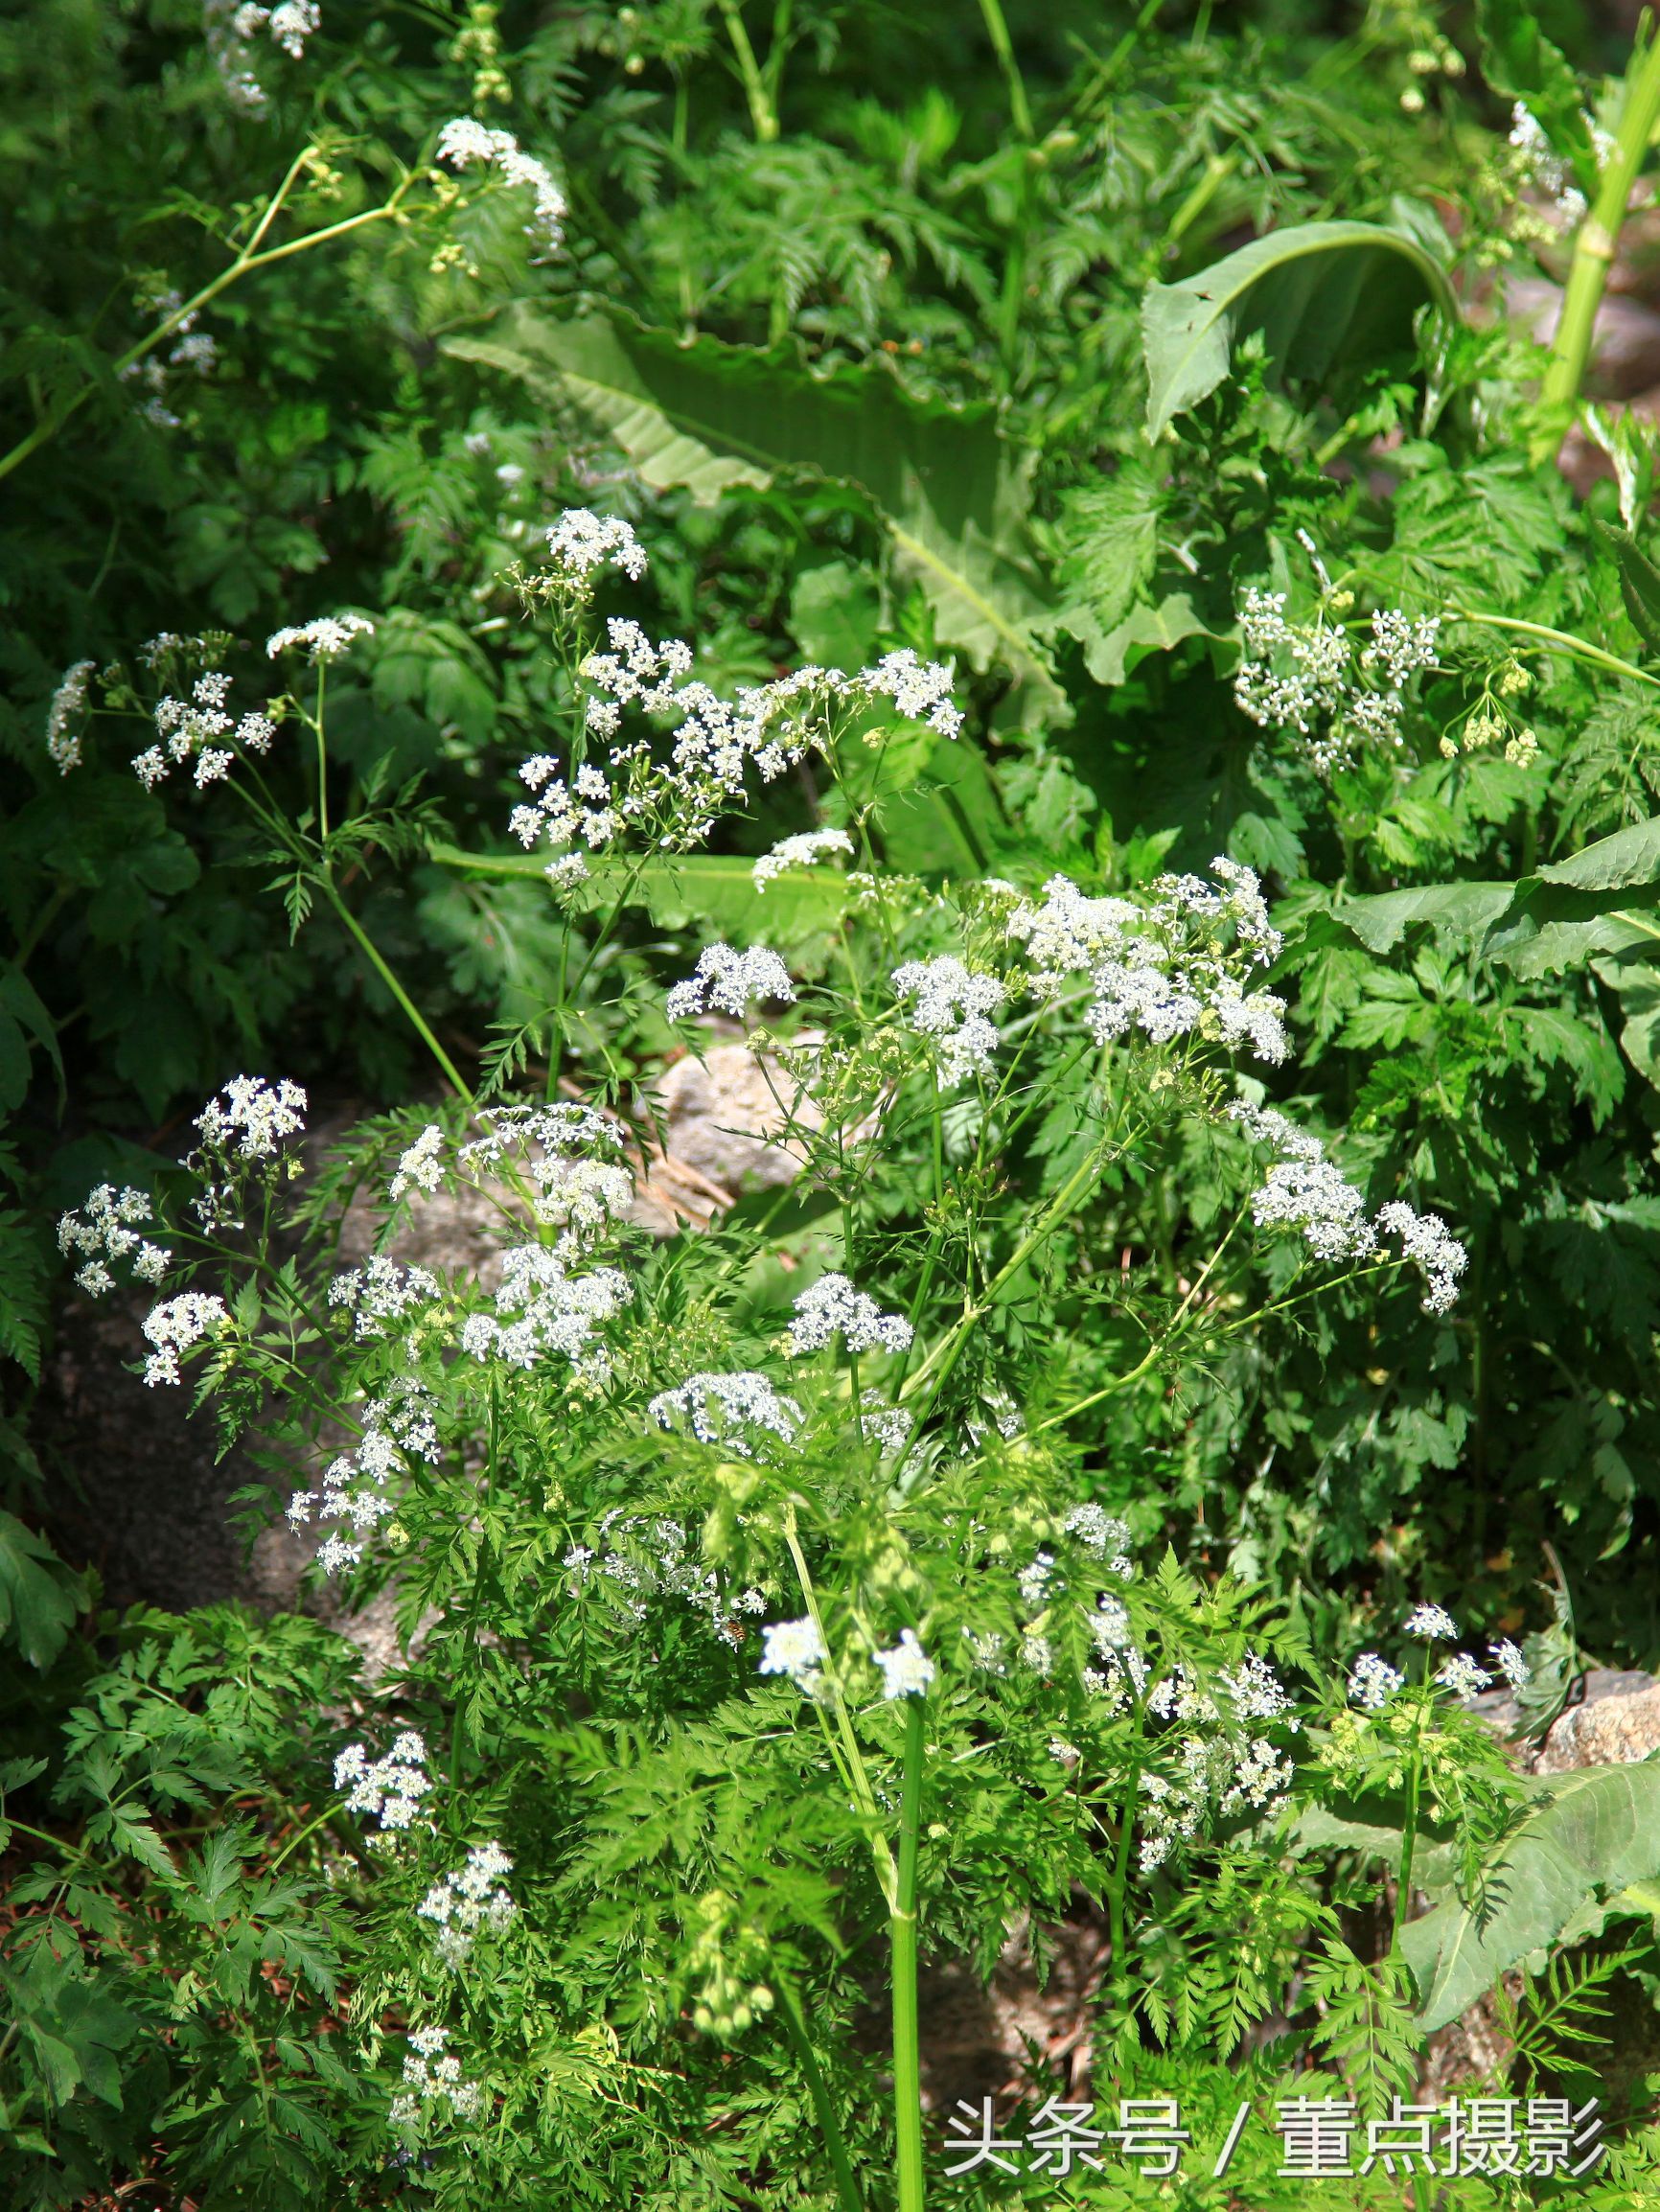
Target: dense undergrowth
{"x": 1023, "y": 569}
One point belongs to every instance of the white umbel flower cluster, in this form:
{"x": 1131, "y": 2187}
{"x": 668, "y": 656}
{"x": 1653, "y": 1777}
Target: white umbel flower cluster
{"x": 831, "y": 1304}
{"x": 545, "y": 1308}
{"x": 395, "y": 1429}
{"x": 797, "y": 1650}
{"x": 1305, "y": 1191}
{"x": 719, "y": 1409}
{"x": 715, "y": 742}
{"x": 189, "y": 728}
{"x": 953, "y": 1010}
{"x": 469, "y": 1900}
{"x": 1175, "y": 964}
{"x": 641, "y": 1559}
{"x": 1434, "y": 1623}
{"x": 244, "y": 1128}
{"x": 390, "y": 1789}
{"x": 580, "y": 542}
{"x": 1461, "y": 1676}
{"x": 234, "y": 29}
{"x": 381, "y": 1292}
{"x": 325, "y": 638}
{"x": 1307, "y": 677}
{"x": 429, "y": 2076}
{"x": 802, "y": 851}
{"x": 726, "y": 981}
{"x": 463, "y": 142}
{"x": 63, "y": 717}
{"x": 907, "y": 1669}
{"x": 421, "y": 1166}
{"x": 1103, "y": 1535}
{"x": 545, "y": 1147}
{"x": 174, "y": 1325}
{"x": 1373, "y": 1682}
{"x": 104, "y": 1228}
{"x": 1509, "y": 1660}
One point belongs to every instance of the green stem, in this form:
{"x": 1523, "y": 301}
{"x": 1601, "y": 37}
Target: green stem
{"x": 835, "y": 2143}
{"x": 1003, "y": 46}
{"x": 762, "y": 117}
{"x": 245, "y": 263}
{"x": 418, "y": 1021}
{"x": 1562, "y": 639}
{"x": 1598, "y": 234}
{"x": 1118, "y": 1888}
{"x": 322, "y": 758}
{"x": 902, "y": 1942}
{"x": 944, "y": 1354}
{"x": 1409, "y": 1831}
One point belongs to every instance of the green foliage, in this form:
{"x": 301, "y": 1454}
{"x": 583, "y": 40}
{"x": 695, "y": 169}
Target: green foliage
{"x": 859, "y": 321}
{"x": 1324, "y": 297}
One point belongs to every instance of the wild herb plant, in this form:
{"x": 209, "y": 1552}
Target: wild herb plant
{"x": 1213, "y": 864}
{"x": 764, "y": 1627}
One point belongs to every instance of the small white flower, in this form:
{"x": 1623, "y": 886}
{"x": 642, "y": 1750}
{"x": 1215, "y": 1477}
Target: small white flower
{"x": 388, "y": 1790}
{"x": 580, "y": 542}
{"x": 795, "y": 1648}
{"x": 1373, "y": 1682}
{"x": 831, "y": 1304}
{"x": 717, "y": 1409}
{"x": 176, "y": 1325}
{"x": 952, "y": 1010}
{"x": 801, "y": 851}
{"x": 464, "y": 142}
{"x": 325, "y": 638}
{"x": 63, "y": 717}
{"x": 1433, "y": 1623}
{"x": 907, "y": 1669}
{"x": 422, "y": 1167}
{"x": 1461, "y": 1676}
{"x": 726, "y": 981}
{"x": 1511, "y": 1663}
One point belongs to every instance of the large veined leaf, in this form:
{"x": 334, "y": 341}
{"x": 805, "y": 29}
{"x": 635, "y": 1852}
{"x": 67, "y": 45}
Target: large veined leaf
{"x": 708, "y": 416}
{"x": 1327, "y": 297}
{"x": 1585, "y": 908}
{"x": 1590, "y": 1837}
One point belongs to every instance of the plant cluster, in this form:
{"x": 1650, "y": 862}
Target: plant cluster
{"x": 1042, "y": 616}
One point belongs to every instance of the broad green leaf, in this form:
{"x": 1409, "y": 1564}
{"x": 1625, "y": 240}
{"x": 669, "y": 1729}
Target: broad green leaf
{"x": 706, "y": 416}
{"x": 1590, "y": 1837}
{"x": 796, "y": 908}
{"x": 1460, "y": 910}
{"x": 834, "y": 613}
{"x": 39, "y": 1596}
{"x": 1325, "y": 295}
{"x": 1111, "y": 654}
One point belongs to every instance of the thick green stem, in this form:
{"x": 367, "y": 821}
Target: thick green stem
{"x": 902, "y": 1943}
{"x": 835, "y": 2144}
{"x": 418, "y": 1021}
{"x": 1598, "y": 234}
{"x": 763, "y": 119}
